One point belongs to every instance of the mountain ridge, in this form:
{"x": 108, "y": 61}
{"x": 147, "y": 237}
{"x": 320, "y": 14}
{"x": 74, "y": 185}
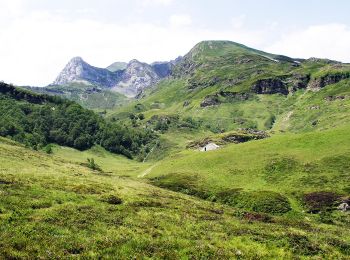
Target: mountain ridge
{"x": 129, "y": 79}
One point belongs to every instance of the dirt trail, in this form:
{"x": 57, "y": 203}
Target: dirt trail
{"x": 287, "y": 117}
{"x": 147, "y": 171}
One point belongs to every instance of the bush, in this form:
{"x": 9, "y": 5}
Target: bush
{"x": 48, "y": 149}
{"x": 92, "y": 165}
{"x": 301, "y": 244}
{"x": 112, "y": 199}
{"x": 259, "y": 201}
{"x": 253, "y": 216}
{"x": 141, "y": 116}
{"x": 270, "y": 121}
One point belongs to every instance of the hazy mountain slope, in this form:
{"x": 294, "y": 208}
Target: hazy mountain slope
{"x": 77, "y": 70}
{"x": 129, "y": 79}
{"x": 117, "y": 66}
{"x": 89, "y": 96}
{"x": 136, "y": 78}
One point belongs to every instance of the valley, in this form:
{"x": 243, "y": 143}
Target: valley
{"x": 106, "y": 163}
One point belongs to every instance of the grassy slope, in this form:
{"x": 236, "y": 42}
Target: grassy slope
{"x": 229, "y": 61}
{"x": 52, "y": 207}
{"x": 314, "y": 111}
{"x": 315, "y": 159}
{"x": 109, "y": 162}
{"x": 53, "y": 199}
{"x": 245, "y": 165}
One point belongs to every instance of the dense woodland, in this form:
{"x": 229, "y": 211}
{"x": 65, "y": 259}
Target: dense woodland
{"x": 37, "y": 120}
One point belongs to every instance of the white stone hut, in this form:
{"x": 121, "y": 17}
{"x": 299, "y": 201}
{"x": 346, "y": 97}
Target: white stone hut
{"x": 209, "y": 147}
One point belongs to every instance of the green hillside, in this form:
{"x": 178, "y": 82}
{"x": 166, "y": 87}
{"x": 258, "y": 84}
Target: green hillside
{"x": 221, "y": 86}
{"x": 277, "y": 164}
{"x": 277, "y": 187}
{"x": 39, "y": 120}
{"x": 72, "y": 211}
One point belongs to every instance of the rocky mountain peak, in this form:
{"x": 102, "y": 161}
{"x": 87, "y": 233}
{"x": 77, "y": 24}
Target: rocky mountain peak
{"x": 77, "y": 60}
{"x": 129, "y": 79}
{"x": 134, "y": 61}
{"x": 77, "y": 70}
{"x": 136, "y": 78}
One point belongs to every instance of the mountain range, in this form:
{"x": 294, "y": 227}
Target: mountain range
{"x": 226, "y": 153}
{"x": 129, "y": 79}
{"x": 121, "y": 81}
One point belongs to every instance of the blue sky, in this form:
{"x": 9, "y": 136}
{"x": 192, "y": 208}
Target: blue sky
{"x": 39, "y": 37}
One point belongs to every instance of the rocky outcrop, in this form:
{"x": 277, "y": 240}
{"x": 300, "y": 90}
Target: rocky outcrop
{"x": 318, "y": 60}
{"x": 77, "y": 70}
{"x": 236, "y": 137}
{"x": 195, "y": 84}
{"x": 136, "y": 78}
{"x": 130, "y": 79}
{"x": 164, "y": 69}
{"x": 210, "y": 100}
{"x": 234, "y": 96}
{"x": 241, "y": 138}
{"x": 333, "y": 98}
{"x": 270, "y": 86}
{"x": 283, "y": 84}
{"x": 344, "y": 207}
{"x": 224, "y": 97}
{"x": 186, "y": 103}
{"x": 328, "y": 79}
{"x": 298, "y": 81}
{"x": 93, "y": 90}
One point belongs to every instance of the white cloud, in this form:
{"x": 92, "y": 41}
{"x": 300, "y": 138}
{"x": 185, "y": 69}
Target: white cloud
{"x": 238, "y": 21}
{"x": 323, "y": 41}
{"x": 156, "y": 2}
{"x": 11, "y": 8}
{"x": 35, "y": 47}
{"x": 180, "y": 20}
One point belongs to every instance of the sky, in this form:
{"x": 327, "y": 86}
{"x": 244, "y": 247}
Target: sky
{"x": 39, "y": 37}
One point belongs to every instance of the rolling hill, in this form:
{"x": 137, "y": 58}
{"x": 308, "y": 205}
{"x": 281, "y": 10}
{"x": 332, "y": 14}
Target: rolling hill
{"x": 277, "y": 187}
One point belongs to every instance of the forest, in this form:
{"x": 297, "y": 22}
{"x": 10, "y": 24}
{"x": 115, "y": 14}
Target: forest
{"x": 38, "y": 120}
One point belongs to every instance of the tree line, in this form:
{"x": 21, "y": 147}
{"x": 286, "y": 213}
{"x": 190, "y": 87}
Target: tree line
{"x": 37, "y": 120}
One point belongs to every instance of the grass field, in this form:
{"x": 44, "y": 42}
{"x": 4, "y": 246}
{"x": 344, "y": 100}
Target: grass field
{"x": 310, "y": 161}
{"x": 274, "y": 198}
{"x": 53, "y": 206}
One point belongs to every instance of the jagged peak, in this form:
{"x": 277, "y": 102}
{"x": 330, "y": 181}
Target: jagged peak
{"x": 135, "y": 61}
{"x": 77, "y": 59}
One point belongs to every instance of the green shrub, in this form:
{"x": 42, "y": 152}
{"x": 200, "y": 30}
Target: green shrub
{"x": 270, "y": 121}
{"x": 48, "y": 149}
{"x": 301, "y": 244}
{"x": 92, "y": 165}
{"x": 112, "y": 199}
{"x": 259, "y": 201}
